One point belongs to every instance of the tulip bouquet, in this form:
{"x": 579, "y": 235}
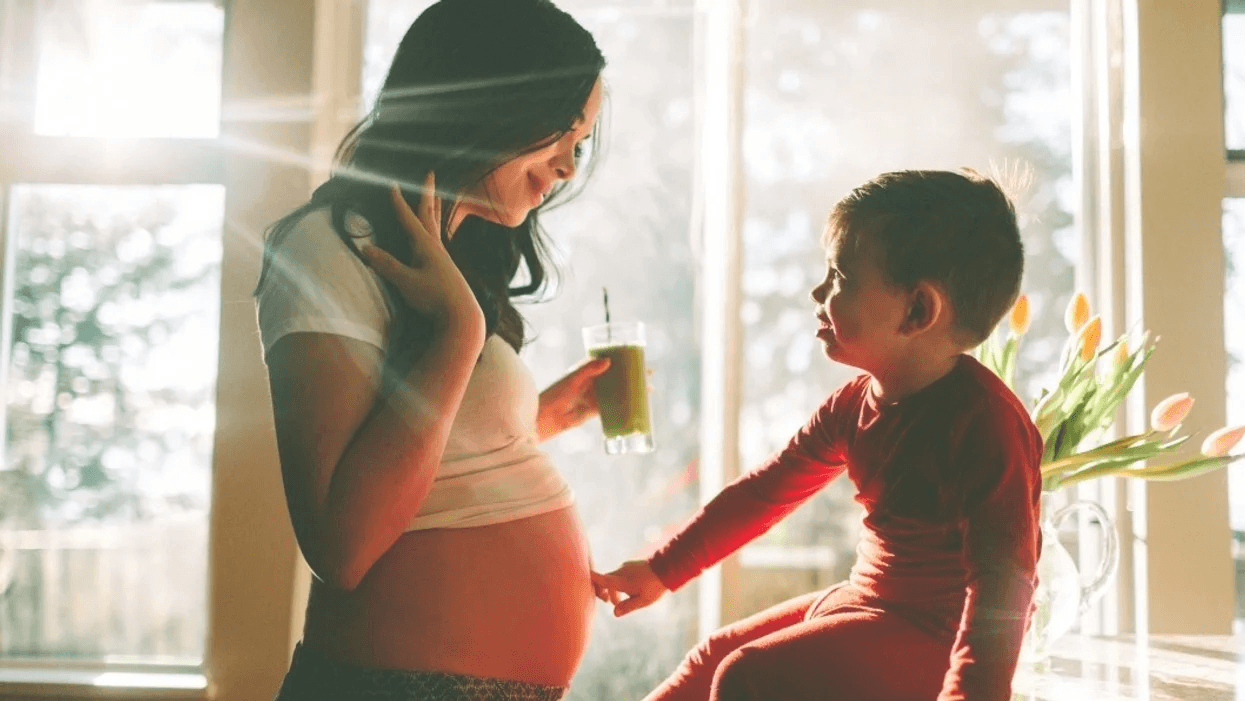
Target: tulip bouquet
{"x": 1093, "y": 380}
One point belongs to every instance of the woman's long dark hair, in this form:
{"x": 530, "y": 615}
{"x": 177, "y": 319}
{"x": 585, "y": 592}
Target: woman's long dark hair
{"x": 473, "y": 84}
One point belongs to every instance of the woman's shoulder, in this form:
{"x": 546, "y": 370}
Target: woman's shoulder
{"x": 315, "y": 282}
{"x": 315, "y": 230}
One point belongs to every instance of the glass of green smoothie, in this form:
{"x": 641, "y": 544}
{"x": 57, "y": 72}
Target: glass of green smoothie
{"x": 622, "y": 391}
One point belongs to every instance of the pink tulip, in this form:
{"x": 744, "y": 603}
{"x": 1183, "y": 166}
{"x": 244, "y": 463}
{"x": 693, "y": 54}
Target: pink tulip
{"x": 1221, "y": 442}
{"x": 1018, "y": 319}
{"x": 1171, "y": 412}
{"x": 1077, "y": 314}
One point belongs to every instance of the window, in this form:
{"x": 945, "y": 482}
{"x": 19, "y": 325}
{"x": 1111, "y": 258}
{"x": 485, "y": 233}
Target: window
{"x": 121, "y": 68}
{"x": 835, "y": 94}
{"x": 112, "y": 333}
{"x": 110, "y": 122}
{"x": 140, "y": 535}
{"x": 1234, "y": 268}
{"x": 628, "y": 232}
{"x": 110, "y": 322}
{"x": 1234, "y": 78}
{"x": 631, "y": 232}
{"x": 815, "y": 124}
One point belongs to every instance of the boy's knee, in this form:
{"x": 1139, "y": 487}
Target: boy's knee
{"x": 710, "y": 653}
{"x": 743, "y": 675}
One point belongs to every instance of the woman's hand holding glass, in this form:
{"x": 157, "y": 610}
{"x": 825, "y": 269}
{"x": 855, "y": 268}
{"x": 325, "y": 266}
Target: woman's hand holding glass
{"x": 571, "y": 400}
{"x": 432, "y": 283}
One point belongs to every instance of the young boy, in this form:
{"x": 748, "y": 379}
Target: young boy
{"x": 920, "y": 267}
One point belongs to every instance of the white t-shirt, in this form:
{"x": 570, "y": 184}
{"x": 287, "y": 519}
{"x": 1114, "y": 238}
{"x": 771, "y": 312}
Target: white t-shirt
{"x": 492, "y": 469}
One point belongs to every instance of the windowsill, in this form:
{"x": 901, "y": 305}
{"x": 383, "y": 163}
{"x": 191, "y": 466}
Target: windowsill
{"x": 1122, "y": 668}
{"x": 44, "y": 682}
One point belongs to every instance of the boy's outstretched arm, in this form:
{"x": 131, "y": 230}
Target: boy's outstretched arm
{"x": 742, "y": 511}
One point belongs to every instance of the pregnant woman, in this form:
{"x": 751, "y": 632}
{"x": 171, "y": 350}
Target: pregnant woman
{"x": 449, "y": 560}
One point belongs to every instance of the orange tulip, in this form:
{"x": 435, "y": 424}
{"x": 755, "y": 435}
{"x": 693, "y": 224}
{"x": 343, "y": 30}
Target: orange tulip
{"x": 1018, "y": 319}
{"x": 1090, "y": 335}
{"x": 1121, "y": 354}
{"x": 1221, "y": 442}
{"x": 1077, "y": 314}
{"x": 1171, "y": 412}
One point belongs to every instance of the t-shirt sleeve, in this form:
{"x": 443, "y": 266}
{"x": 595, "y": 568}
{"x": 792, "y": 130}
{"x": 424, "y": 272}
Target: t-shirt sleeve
{"x": 315, "y": 283}
{"x": 1001, "y": 541}
{"x": 753, "y": 503}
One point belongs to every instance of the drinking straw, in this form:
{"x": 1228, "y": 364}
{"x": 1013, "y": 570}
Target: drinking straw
{"x": 605, "y": 299}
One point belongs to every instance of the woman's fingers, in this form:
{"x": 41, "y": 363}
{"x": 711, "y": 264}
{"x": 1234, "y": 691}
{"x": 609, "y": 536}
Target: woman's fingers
{"x": 594, "y": 366}
{"x": 408, "y": 219}
{"x": 436, "y": 205}
{"x": 381, "y": 261}
{"x": 429, "y": 203}
{"x": 386, "y": 265}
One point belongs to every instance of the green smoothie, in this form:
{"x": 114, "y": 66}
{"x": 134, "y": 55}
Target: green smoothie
{"x": 622, "y": 391}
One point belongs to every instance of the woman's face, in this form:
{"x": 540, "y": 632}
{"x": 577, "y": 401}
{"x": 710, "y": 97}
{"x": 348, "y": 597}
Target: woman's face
{"x": 519, "y": 185}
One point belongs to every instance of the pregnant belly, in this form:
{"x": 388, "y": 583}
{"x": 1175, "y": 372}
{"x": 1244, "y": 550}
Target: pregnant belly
{"x": 511, "y": 600}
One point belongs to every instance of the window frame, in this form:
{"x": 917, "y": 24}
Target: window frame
{"x": 1167, "y": 258}
{"x": 256, "y": 588}
{"x": 1235, "y": 180}
{"x": 1121, "y": 86}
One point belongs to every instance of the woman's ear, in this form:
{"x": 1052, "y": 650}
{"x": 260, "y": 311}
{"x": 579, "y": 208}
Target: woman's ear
{"x": 927, "y": 304}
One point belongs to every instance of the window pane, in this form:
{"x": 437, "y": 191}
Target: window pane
{"x": 388, "y": 20}
{"x": 111, "y": 318}
{"x": 1234, "y": 80}
{"x": 837, "y": 93}
{"x": 1234, "y": 338}
{"x": 128, "y": 68}
{"x": 629, "y": 232}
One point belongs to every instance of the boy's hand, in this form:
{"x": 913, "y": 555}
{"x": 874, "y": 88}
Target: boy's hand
{"x": 635, "y": 579}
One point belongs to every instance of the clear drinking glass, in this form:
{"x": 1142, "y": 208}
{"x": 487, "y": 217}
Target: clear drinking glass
{"x": 622, "y": 391}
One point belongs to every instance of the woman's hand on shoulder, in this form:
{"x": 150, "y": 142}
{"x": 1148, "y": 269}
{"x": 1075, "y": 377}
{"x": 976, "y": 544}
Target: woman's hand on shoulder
{"x": 432, "y": 283}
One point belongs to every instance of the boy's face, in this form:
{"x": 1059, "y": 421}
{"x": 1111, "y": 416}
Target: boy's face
{"x": 860, "y": 312}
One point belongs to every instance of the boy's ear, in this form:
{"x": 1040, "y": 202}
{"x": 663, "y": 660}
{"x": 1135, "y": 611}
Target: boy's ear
{"x": 927, "y": 304}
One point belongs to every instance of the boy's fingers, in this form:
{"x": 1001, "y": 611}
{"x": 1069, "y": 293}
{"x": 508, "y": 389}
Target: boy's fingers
{"x": 606, "y": 580}
{"x": 626, "y": 607}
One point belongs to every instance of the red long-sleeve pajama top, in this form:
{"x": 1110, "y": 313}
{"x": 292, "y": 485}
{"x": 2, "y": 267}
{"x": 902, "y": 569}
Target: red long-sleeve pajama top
{"x": 949, "y": 478}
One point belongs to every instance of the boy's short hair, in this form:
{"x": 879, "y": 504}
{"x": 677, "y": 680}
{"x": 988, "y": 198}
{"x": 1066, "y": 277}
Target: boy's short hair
{"x": 957, "y": 229}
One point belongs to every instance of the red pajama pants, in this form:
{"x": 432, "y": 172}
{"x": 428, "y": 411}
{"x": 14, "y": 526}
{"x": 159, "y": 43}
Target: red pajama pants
{"x": 827, "y": 646}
